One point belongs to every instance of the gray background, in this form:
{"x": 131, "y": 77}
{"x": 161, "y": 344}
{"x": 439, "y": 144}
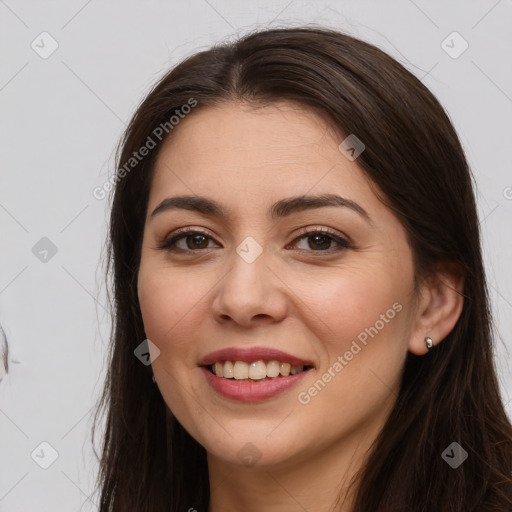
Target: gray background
{"x": 61, "y": 119}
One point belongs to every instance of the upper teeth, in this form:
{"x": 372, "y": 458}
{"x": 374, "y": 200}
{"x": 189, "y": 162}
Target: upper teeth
{"x": 256, "y": 370}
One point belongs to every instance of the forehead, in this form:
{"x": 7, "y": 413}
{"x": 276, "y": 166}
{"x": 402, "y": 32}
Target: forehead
{"x": 241, "y": 149}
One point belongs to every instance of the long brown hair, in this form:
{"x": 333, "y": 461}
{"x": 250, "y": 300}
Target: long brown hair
{"x": 148, "y": 461}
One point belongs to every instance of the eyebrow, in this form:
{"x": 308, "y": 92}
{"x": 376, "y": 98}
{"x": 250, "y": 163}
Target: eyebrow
{"x": 279, "y": 209}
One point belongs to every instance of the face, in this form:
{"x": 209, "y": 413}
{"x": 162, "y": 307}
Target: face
{"x": 330, "y": 284}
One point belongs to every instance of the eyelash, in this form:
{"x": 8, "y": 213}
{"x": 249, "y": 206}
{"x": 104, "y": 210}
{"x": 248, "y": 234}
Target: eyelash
{"x": 170, "y": 243}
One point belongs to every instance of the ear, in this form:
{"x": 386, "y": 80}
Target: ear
{"x": 439, "y": 306}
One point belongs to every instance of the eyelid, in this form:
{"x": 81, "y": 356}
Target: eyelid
{"x": 322, "y": 229}
{"x": 179, "y": 233}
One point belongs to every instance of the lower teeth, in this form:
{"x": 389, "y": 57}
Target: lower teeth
{"x": 257, "y": 380}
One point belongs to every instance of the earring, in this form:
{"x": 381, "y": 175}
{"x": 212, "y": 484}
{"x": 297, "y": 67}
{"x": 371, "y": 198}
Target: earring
{"x": 429, "y": 343}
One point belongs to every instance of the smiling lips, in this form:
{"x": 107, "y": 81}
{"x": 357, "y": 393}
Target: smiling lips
{"x": 251, "y": 374}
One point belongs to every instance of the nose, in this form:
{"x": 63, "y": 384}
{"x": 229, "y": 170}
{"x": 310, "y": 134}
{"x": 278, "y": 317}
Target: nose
{"x": 250, "y": 293}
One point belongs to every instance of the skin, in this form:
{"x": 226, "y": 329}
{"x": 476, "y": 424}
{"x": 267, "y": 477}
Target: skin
{"x": 306, "y": 300}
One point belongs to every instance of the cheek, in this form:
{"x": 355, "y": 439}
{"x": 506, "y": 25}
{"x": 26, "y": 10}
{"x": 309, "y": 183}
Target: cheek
{"x": 345, "y": 303}
{"x": 360, "y": 327}
{"x": 359, "y": 321}
{"x": 166, "y": 304}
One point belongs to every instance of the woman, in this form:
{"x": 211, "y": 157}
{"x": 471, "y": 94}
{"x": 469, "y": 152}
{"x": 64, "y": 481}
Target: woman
{"x": 295, "y": 250}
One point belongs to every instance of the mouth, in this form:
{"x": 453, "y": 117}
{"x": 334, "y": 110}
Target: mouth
{"x": 256, "y": 371}
{"x": 253, "y": 374}
{"x": 253, "y": 382}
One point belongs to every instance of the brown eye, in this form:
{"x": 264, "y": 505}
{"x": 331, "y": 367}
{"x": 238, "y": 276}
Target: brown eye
{"x": 196, "y": 241}
{"x": 193, "y": 241}
{"x": 321, "y": 240}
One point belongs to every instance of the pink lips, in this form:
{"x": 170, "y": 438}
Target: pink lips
{"x": 249, "y": 390}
